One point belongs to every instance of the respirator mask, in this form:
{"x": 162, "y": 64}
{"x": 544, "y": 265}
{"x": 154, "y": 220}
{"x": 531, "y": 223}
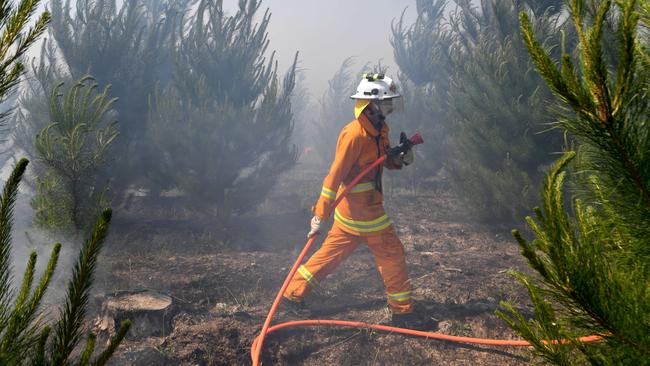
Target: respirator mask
{"x": 382, "y": 108}
{"x": 385, "y": 106}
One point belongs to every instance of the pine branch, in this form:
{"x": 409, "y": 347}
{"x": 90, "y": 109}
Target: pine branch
{"x": 626, "y": 56}
{"x": 38, "y": 359}
{"x": 7, "y": 202}
{"x": 549, "y": 71}
{"x": 103, "y": 358}
{"x": 67, "y": 331}
{"x": 39, "y": 292}
{"x": 595, "y": 75}
{"x": 28, "y": 280}
{"x": 84, "y": 359}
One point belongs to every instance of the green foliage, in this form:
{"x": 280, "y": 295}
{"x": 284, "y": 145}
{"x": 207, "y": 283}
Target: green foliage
{"x": 23, "y": 337}
{"x": 422, "y": 50}
{"x": 499, "y": 109}
{"x": 128, "y": 47}
{"x": 468, "y": 87}
{"x": 73, "y": 148}
{"x": 34, "y": 114}
{"x": 14, "y": 18}
{"x": 423, "y": 53}
{"x": 224, "y": 124}
{"x": 190, "y": 84}
{"x": 593, "y": 267}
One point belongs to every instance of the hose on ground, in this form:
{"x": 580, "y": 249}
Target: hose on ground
{"x": 256, "y": 347}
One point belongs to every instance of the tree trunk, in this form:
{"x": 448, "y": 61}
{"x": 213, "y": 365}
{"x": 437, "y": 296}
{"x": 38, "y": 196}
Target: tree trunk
{"x": 150, "y": 313}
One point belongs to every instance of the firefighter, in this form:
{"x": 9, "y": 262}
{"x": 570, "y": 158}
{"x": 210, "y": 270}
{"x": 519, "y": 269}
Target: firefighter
{"x": 360, "y": 217}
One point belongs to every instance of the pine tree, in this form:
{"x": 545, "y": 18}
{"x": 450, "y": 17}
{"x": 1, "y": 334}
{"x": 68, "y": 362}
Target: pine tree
{"x": 468, "y": 88}
{"x": 72, "y": 148}
{"x": 593, "y": 260}
{"x": 24, "y": 337}
{"x": 498, "y": 107}
{"x": 423, "y": 53}
{"x": 129, "y": 47}
{"x": 224, "y": 124}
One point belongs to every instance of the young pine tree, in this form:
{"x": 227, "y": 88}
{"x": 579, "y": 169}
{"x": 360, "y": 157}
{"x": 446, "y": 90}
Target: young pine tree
{"x": 423, "y": 53}
{"x": 127, "y": 46}
{"x": 72, "y": 148}
{"x": 224, "y": 124}
{"x": 593, "y": 261}
{"x": 498, "y": 106}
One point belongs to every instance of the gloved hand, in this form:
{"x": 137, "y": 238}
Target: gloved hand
{"x": 405, "y": 158}
{"x": 315, "y": 226}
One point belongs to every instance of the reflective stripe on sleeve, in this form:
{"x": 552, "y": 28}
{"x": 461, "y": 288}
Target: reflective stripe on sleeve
{"x": 328, "y": 193}
{"x": 400, "y": 296}
{"x": 363, "y": 226}
{"x": 304, "y": 272}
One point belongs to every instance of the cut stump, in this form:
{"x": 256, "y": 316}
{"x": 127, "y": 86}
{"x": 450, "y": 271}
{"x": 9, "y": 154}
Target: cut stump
{"x": 150, "y": 313}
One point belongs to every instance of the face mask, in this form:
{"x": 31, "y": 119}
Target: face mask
{"x": 386, "y": 106}
{"x": 374, "y": 113}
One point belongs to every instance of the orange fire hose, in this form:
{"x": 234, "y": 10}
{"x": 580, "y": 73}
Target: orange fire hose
{"x": 256, "y": 346}
{"x": 419, "y": 333}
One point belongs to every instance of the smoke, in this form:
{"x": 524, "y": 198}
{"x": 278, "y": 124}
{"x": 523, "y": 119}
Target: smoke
{"x": 327, "y": 32}
{"x": 27, "y": 239}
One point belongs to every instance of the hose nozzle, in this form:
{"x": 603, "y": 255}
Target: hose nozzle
{"x": 405, "y": 144}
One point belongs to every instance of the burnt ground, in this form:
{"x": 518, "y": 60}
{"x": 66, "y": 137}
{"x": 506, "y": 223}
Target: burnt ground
{"x": 223, "y": 279}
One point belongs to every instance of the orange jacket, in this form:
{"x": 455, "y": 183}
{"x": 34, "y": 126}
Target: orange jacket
{"x": 362, "y": 211}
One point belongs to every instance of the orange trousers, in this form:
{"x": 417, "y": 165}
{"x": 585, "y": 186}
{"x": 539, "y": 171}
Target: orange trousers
{"x": 389, "y": 256}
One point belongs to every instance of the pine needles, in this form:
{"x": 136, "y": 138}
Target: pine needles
{"x": 23, "y": 338}
{"x": 593, "y": 265}
{"x": 73, "y": 149}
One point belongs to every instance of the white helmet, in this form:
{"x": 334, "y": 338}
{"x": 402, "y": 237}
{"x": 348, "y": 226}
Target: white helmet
{"x": 376, "y": 87}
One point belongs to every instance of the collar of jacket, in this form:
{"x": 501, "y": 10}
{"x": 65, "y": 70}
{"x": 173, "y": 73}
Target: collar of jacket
{"x": 368, "y": 126}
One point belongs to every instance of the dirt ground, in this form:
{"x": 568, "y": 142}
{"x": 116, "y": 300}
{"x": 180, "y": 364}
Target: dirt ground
{"x": 223, "y": 278}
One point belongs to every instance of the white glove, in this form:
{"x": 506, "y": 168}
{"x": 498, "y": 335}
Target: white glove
{"x": 315, "y": 226}
{"x": 405, "y": 158}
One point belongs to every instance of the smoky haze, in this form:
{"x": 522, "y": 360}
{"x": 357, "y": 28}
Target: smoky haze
{"x": 327, "y": 32}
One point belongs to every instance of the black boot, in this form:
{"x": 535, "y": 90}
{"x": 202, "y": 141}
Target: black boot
{"x": 418, "y": 319}
{"x": 295, "y": 308}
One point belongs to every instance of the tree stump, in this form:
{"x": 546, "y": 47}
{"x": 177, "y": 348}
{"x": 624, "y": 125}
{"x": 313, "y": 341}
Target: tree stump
{"x": 150, "y": 313}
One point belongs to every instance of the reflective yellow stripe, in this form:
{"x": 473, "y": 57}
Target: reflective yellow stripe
{"x": 363, "y": 223}
{"x": 401, "y": 297}
{"x": 362, "y": 187}
{"x": 304, "y": 272}
{"x": 328, "y": 193}
{"x": 400, "y": 294}
{"x": 363, "y": 226}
